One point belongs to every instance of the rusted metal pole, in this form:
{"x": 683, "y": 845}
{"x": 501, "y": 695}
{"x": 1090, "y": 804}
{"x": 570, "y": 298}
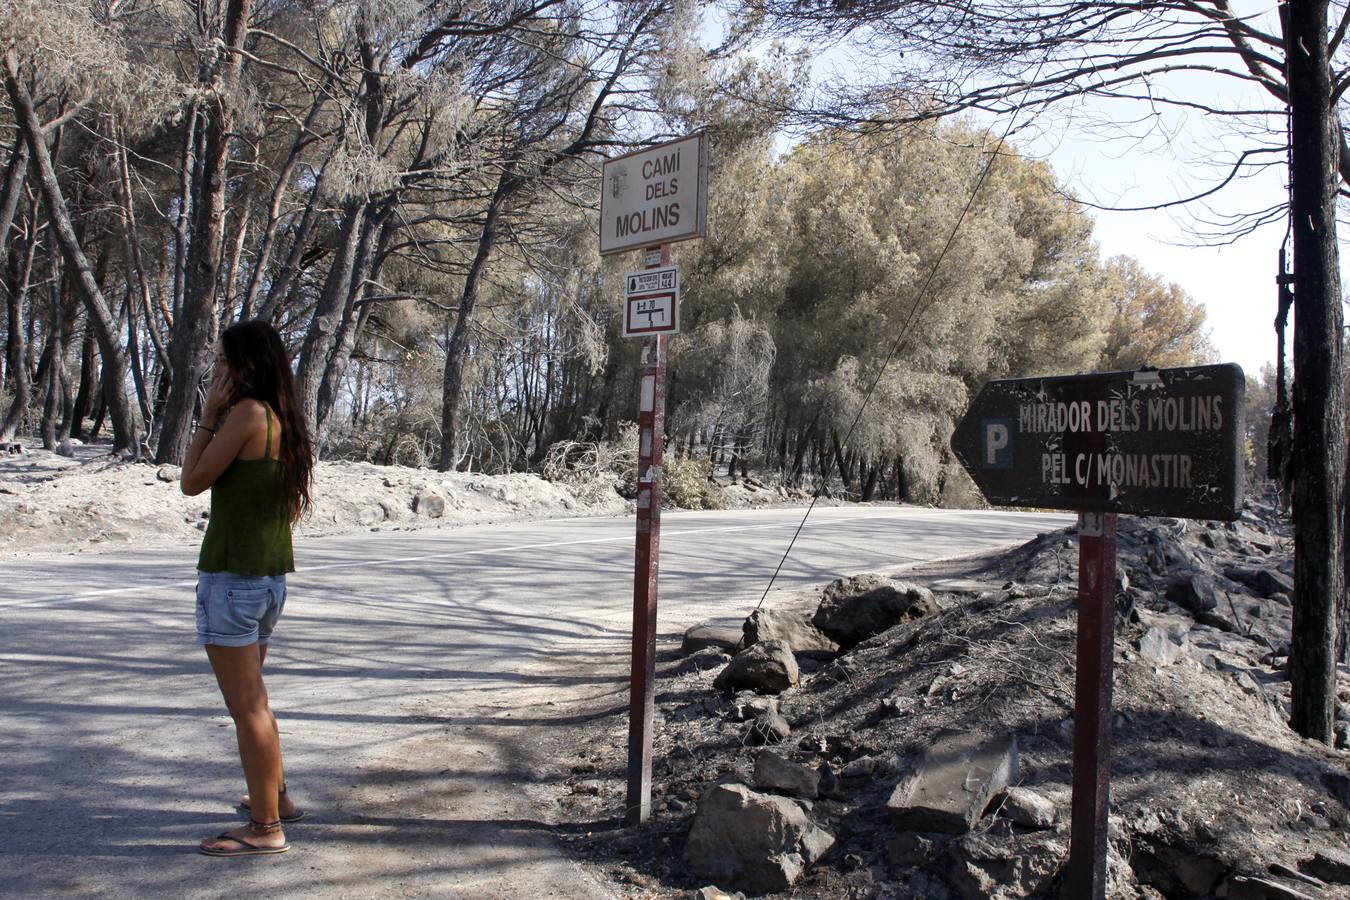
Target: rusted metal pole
{"x": 642, "y": 683}
{"x": 1086, "y": 878}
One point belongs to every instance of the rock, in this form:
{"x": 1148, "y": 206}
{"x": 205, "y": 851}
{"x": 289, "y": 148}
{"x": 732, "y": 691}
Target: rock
{"x": 745, "y": 707}
{"x": 895, "y": 707}
{"x": 1269, "y": 582}
{"x": 1329, "y": 865}
{"x": 854, "y": 609}
{"x": 370, "y": 515}
{"x": 953, "y": 782}
{"x": 755, "y": 842}
{"x": 1197, "y": 593}
{"x": 702, "y": 660}
{"x": 792, "y": 626}
{"x": 831, "y": 785}
{"x": 168, "y": 473}
{"x": 767, "y": 668}
{"x": 1176, "y": 871}
{"x": 775, "y": 772}
{"x": 1162, "y": 647}
{"x": 713, "y": 892}
{"x": 986, "y": 868}
{"x": 429, "y": 503}
{"x": 1341, "y": 730}
{"x": 862, "y": 767}
{"x": 770, "y": 728}
{"x": 711, "y": 634}
{"x": 908, "y": 850}
{"x": 1027, "y": 808}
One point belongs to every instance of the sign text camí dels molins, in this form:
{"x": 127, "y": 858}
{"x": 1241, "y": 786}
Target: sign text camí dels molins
{"x": 655, "y": 196}
{"x": 1163, "y": 442}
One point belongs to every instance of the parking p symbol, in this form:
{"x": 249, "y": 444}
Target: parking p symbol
{"x": 997, "y": 443}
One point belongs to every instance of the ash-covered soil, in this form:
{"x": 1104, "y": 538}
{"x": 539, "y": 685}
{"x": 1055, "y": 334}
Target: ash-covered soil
{"x": 84, "y": 497}
{"x": 1212, "y": 793}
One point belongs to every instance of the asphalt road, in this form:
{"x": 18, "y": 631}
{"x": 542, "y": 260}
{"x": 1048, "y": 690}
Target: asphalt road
{"x": 423, "y": 681}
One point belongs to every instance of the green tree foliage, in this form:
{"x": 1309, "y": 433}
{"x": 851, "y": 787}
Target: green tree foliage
{"x": 1153, "y": 323}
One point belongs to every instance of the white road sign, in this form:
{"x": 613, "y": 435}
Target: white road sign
{"x": 650, "y": 281}
{"x": 646, "y": 314}
{"x": 651, "y": 302}
{"x": 655, "y": 196}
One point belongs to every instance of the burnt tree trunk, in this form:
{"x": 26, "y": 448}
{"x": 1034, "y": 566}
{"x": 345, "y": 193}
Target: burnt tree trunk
{"x": 452, "y": 384}
{"x": 100, "y": 317}
{"x": 20, "y": 277}
{"x": 355, "y": 313}
{"x": 14, "y": 283}
{"x": 89, "y": 386}
{"x": 195, "y": 326}
{"x": 1319, "y": 440}
{"x": 1343, "y": 636}
{"x": 323, "y": 328}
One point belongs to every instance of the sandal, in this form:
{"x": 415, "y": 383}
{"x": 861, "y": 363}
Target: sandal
{"x": 289, "y": 820}
{"x": 245, "y": 848}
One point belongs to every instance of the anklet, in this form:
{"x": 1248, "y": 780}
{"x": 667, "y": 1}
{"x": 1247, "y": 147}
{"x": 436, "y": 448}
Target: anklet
{"x": 261, "y": 828}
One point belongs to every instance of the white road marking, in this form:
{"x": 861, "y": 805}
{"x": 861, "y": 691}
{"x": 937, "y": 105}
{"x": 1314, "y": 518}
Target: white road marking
{"x": 299, "y": 577}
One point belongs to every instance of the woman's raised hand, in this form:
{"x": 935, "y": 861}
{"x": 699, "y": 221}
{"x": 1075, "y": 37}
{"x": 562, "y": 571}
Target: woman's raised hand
{"x": 219, "y": 398}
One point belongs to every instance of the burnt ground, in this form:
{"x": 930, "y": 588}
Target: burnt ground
{"x": 1209, "y": 784}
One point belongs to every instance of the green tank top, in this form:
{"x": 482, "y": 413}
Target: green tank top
{"x": 249, "y": 532}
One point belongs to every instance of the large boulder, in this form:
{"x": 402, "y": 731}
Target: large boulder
{"x": 791, "y": 625}
{"x": 1330, "y": 864}
{"x": 1269, "y": 582}
{"x": 766, "y": 668}
{"x": 953, "y": 783}
{"x": 1204, "y": 596}
{"x": 775, "y": 772}
{"x": 854, "y": 609}
{"x": 429, "y": 503}
{"x": 1163, "y": 646}
{"x": 1194, "y": 591}
{"x": 986, "y": 867}
{"x": 1027, "y": 808}
{"x": 752, "y": 841}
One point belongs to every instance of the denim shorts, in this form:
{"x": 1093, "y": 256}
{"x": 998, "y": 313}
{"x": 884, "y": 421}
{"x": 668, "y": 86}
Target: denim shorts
{"x": 238, "y": 610}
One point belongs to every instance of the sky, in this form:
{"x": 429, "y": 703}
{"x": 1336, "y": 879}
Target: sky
{"x": 1234, "y": 282}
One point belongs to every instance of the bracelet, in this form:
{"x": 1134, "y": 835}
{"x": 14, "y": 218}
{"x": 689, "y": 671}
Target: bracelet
{"x": 204, "y": 428}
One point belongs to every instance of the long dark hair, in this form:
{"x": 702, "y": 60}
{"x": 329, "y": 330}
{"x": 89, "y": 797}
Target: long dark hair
{"x": 262, "y": 372}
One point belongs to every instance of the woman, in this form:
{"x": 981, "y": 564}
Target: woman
{"x": 253, "y": 451}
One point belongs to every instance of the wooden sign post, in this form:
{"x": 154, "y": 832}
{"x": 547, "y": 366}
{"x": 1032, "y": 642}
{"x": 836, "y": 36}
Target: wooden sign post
{"x": 1161, "y": 442}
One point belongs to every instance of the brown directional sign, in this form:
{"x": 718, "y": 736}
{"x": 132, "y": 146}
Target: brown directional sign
{"x": 1158, "y": 442}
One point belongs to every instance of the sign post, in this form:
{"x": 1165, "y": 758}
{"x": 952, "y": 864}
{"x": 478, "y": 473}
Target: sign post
{"x": 1093, "y": 683}
{"x": 648, "y": 200}
{"x": 646, "y": 565}
{"x": 1156, "y": 442}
